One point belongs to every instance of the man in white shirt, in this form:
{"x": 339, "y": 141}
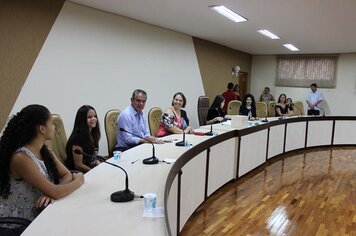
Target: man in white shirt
{"x": 133, "y": 120}
{"x": 314, "y": 98}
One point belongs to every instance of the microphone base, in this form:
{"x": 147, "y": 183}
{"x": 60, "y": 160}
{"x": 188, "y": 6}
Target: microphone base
{"x": 122, "y": 196}
{"x": 210, "y": 133}
{"x": 150, "y": 161}
{"x": 181, "y": 144}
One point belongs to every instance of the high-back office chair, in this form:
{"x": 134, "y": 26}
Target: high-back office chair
{"x": 59, "y": 142}
{"x": 110, "y": 123}
{"x": 298, "y": 108}
{"x": 203, "y": 107}
{"x": 154, "y": 119}
{"x": 261, "y": 109}
{"x": 19, "y": 224}
{"x": 233, "y": 108}
{"x": 271, "y": 108}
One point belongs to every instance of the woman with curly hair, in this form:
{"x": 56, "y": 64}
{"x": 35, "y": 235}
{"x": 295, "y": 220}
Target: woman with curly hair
{"x": 248, "y": 107}
{"x": 85, "y": 137}
{"x": 30, "y": 174}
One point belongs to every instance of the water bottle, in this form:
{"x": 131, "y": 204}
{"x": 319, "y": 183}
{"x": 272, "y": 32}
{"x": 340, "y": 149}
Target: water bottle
{"x": 117, "y": 155}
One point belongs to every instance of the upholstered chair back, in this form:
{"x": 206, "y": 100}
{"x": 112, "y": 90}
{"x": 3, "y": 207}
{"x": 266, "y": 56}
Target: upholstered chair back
{"x": 233, "y": 108}
{"x": 154, "y": 119}
{"x": 110, "y": 122}
{"x": 203, "y": 107}
{"x": 298, "y": 108}
{"x": 261, "y": 109}
{"x": 271, "y": 108}
{"x": 59, "y": 142}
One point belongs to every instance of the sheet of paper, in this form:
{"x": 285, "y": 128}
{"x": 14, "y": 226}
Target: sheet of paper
{"x": 228, "y": 122}
{"x": 155, "y": 213}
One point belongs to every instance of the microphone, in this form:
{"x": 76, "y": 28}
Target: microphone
{"x": 265, "y": 119}
{"x": 119, "y": 196}
{"x": 321, "y": 110}
{"x": 150, "y": 160}
{"x": 249, "y": 112}
{"x": 181, "y": 143}
{"x": 210, "y": 133}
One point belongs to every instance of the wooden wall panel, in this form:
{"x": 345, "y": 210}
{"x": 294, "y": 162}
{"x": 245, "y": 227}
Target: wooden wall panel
{"x": 24, "y": 26}
{"x": 215, "y": 64}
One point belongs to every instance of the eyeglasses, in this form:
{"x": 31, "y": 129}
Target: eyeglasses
{"x": 140, "y": 101}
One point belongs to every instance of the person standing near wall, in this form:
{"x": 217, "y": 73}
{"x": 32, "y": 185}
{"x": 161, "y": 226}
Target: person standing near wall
{"x": 314, "y": 98}
{"x": 229, "y": 95}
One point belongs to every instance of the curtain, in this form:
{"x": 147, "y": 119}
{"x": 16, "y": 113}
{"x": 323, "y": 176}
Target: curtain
{"x": 303, "y": 71}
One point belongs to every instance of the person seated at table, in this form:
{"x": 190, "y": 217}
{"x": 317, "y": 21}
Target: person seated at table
{"x": 290, "y": 103}
{"x": 215, "y": 112}
{"x": 282, "y": 108}
{"x": 85, "y": 137}
{"x": 174, "y": 119}
{"x": 248, "y": 107}
{"x": 133, "y": 120}
{"x": 266, "y": 96}
{"x": 30, "y": 174}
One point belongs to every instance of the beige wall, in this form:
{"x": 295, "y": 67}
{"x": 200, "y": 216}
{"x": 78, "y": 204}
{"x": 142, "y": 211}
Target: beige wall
{"x": 215, "y": 64}
{"x": 98, "y": 58}
{"x": 24, "y": 26}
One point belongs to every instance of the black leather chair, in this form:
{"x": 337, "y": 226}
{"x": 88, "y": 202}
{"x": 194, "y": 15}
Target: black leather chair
{"x": 203, "y": 107}
{"x": 20, "y": 224}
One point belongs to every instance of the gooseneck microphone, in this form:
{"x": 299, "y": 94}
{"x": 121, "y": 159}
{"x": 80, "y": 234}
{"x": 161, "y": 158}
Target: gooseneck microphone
{"x": 119, "y": 196}
{"x": 210, "y": 133}
{"x": 181, "y": 143}
{"x": 150, "y": 160}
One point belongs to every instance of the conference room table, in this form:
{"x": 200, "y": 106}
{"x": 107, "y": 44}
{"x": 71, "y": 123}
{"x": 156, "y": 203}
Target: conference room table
{"x": 89, "y": 211}
{"x": 200, "y": 169}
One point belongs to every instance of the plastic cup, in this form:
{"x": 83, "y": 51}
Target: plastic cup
{"x": 150, "y": 201}
{"x": 117, "y": 155}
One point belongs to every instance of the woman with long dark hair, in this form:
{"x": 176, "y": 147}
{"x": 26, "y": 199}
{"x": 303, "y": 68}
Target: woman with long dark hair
{"x": 215, "y": 112}
{"x": 248, "y": 107}
{"x": 282, "y": 107}
{"x": 30, "y": 174}
{"x": 85, "y": 137}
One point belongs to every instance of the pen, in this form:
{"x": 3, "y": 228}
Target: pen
{"x": 135, "y": 161}
{"x": 165, "y": 162}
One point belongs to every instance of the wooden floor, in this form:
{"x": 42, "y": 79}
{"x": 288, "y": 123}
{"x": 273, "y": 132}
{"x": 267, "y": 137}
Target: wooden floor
{"x": 312, "y": 193}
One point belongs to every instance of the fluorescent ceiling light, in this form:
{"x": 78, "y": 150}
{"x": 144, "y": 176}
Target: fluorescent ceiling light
{"x": 268, "y": 34}
{"x": 228, "y": 13}
{"x": 291, "y": 47}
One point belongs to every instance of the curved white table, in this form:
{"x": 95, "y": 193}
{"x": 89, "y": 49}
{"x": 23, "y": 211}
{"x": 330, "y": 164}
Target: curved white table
{"x": 181, "y": 187}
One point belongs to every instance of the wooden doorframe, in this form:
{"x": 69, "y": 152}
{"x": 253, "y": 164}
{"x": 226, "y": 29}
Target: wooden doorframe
{"x": 243, "y": 83}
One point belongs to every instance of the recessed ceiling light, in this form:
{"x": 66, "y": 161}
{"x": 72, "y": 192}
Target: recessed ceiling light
{"x": 228, "y": 13}
{"x": 268, "y": 34}
{"x": 291, "y": 47}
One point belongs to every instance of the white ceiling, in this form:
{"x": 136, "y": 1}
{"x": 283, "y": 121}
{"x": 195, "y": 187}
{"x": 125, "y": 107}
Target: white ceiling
{"x": 314, "y": 26}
